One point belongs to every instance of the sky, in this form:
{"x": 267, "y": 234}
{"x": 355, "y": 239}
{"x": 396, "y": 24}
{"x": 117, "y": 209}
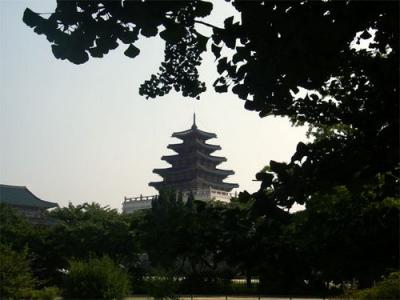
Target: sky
{"x": 82, "y": 133}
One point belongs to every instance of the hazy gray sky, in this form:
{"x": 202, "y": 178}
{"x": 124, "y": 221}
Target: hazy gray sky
{"x": 82, "y": 133}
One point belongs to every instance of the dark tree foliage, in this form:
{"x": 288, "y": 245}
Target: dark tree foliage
{"x": 89, "y": 230}
{"x": 182, "y": 237}
{"x": 15, "y": 231}
{"x": 16, "y": 280}
{"x": 80, "y": 29}
{"x": 347, "y": 176}
{"x": 278, "y": 45}
{"x": 79, "y": 232}
{"x": 96, "y": 278}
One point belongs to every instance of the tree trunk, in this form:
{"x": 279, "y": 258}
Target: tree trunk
{"x": 248, "y": 280}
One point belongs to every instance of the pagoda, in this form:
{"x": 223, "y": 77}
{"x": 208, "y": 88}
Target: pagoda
{"x": 193, "y": 169}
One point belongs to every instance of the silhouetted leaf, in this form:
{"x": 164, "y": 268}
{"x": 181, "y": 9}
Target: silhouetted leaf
{"x": 221, "y": 88}
{"x": 277, "y": 167}
{"x": 216, "y": 50}
{"x": 95, "y": 52}
{"x": 172, "y": 34}
{"x": 240, "y": 90}
{"x": 365, "y": 35}
{"x": 128, "y": 37}
{"x": 301, "y": 151}
{"x": 228, "y": 22}
{"x": 249, "y": 105}
{"x": 222, "y": 65}
{"x": 31, "y": 18}
{"x": 149, "y": 31}
{"x": 132, "y": 51}
{"x": 201, "y": 42}
{"x": 203, "y": 8}
{"x": 58, "y": 51}
{"x": 265, "y": 177}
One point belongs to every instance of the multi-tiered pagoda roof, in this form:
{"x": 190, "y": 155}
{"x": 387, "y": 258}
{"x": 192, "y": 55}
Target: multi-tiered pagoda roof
{"x": 193, "y": 167}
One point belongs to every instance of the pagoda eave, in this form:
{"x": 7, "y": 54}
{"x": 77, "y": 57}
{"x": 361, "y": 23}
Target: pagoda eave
{"x": 174, "y": 171}
{"x": 187, "y": 185}
{"x": 215, "y": 159}
{"x": 178, "y": 147}
{"x": 194, "y": 133}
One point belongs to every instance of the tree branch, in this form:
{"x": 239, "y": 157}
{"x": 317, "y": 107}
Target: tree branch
{"x": 207, "y": 24}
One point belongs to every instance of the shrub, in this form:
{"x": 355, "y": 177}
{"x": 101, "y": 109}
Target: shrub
{"x": 162, "y": 287}
{"x": 47, "y": 293}
{"x": 16, "y": 280}
{"x": 388, "y": 288}
{"x": 96, "y": 278}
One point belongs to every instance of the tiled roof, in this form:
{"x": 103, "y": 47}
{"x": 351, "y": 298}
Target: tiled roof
{"x": 195, "y": 132}
{"x": 21, "y": 196}
{"x": 198, "y": 143}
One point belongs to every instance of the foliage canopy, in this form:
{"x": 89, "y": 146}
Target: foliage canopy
{"x": 347, "y": 176}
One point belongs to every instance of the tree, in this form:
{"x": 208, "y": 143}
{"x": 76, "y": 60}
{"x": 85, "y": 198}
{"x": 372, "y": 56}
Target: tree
{"x": 16, "y": 279}
{"x": 88, "y": 230}
{"x": 279, "y": 44}
{"x": 189, "y": 240}
{"x": 14, "y": 228}
{"x": 351, "y": 104}
{"x": 96, "y": 278}
{"x": 240, "y": 244}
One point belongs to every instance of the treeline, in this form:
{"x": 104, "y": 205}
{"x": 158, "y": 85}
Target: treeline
{"x": 196, "y": 247}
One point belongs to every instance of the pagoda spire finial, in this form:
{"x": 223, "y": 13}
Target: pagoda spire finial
{"x": 194, "y": 121}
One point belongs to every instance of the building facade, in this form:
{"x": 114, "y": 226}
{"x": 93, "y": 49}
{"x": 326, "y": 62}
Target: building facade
{"x": 193, "y": 170}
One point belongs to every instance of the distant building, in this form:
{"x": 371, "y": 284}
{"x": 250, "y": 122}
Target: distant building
{"x": 193, "y": 170}
{"x": 30, "y": 206}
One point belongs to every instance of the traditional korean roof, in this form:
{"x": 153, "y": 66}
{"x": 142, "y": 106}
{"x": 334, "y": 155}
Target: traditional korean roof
{"x": 194, "y": 132}
{"x": 193, "y": 168}
{"x": 225, "y": 186}
{"x": 197, "y": 143}
{"x": 21, "y": 196}
{"x": 176, "y": 158}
